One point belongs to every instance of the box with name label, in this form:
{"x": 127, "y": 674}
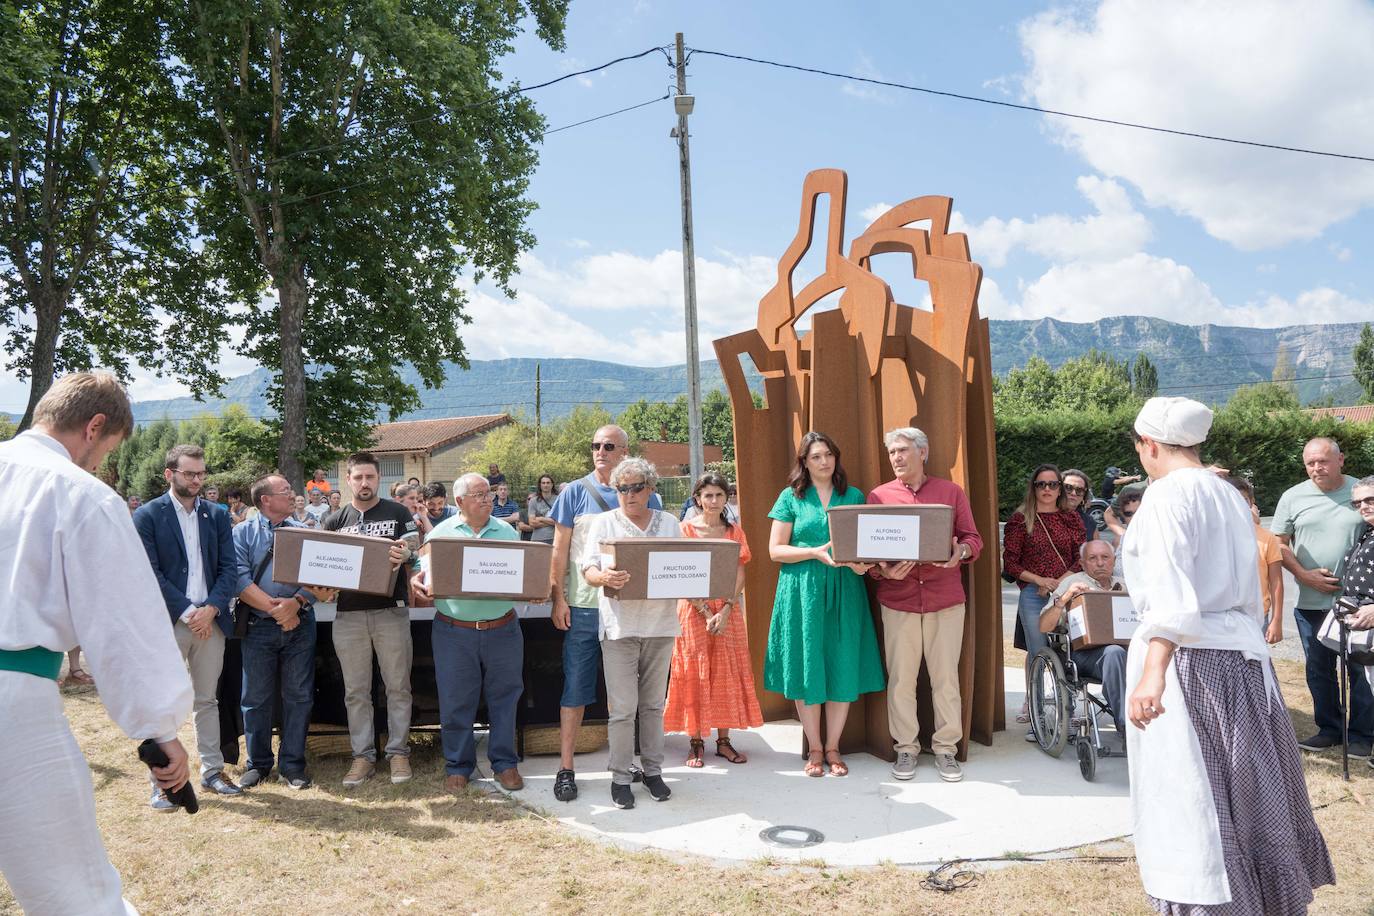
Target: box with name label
{"x": 873, "y": 533}
{"x": 354, "y": 562}
{"x": 672, "y": 567}
{"x": 1101, "y": 618}
{"x": 458, "y": 567}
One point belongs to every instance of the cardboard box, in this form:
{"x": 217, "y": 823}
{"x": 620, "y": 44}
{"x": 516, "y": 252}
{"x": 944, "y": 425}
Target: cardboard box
{"x": 673, "y": 567}
{"x": 871, "y": 533}
{"x": 1101, "y": 618}
{"x": 353, "y": 562}
{"x": 459, "y": 567}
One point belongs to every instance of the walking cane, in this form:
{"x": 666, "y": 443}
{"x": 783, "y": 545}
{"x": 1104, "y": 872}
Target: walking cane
{"x": 1345, "y": 690}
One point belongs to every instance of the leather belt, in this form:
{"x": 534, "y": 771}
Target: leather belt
{"x": 477, "y": 624}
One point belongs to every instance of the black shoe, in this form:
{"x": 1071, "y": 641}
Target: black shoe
{"x": 565, "y": 786}
{"x": 1359, "y": 750}
{"x": 296, "y": 780}
{"x": 622, "y": 796}
{"x": 658, "y": 788}
{"x": 1318, "y": 742}
{"x": 220, "y": 784}
{"x": 252, "y": 777}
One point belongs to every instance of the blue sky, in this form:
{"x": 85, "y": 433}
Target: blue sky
{"x": 1068, "y": 220}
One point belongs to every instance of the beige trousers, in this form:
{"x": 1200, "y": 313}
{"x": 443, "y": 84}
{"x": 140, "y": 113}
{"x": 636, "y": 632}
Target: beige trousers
{"x": 937, "y": 638}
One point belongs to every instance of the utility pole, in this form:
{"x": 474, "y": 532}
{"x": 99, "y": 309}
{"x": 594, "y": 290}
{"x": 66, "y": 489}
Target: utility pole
{"x": 683, "y": 104}
{"x": 538, "y": 403}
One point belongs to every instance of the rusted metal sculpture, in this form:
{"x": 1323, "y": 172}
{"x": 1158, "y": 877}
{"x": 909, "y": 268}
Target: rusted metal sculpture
{"x": 864, "y": 368}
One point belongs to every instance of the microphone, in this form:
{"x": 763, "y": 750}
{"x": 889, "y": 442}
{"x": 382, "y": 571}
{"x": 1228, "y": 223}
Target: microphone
{"x": 151, "y": 753}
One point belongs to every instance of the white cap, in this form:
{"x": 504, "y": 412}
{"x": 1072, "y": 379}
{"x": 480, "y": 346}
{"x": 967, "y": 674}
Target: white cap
{"x": 1174, "y": 421}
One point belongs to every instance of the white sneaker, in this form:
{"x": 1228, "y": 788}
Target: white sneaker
{"x": 905, "y": 767}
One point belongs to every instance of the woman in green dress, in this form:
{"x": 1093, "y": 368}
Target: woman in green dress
{"x": 822, "y": 649}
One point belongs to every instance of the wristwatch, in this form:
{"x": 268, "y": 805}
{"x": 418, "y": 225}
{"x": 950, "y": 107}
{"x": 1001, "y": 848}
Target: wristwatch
{"x": 965, "y": 551}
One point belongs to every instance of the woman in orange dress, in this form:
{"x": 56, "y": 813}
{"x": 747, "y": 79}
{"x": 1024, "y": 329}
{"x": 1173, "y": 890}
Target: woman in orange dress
{"x": 712, "y": 684}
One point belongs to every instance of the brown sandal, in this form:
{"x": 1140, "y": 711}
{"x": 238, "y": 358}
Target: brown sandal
{"x": 814, "y": 767}
{"x": 727, "y": 750}
{"x": 837, "y": 766}
{"x": 694, "y": 760}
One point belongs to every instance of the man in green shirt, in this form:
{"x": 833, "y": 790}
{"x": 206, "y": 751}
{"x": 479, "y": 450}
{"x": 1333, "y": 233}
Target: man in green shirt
{"x": 478, "y": 646}
{"x": 1317, "y": 527}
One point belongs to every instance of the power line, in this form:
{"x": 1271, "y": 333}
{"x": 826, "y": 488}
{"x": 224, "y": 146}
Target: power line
{"x": 378, "y": 135}
{"x": 1034, "y": 108}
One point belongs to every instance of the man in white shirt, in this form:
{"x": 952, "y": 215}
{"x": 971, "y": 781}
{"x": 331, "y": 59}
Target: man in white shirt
{"x": 190, "y": 547}
{"x": 317, "y": 508}
{"x": 77, "y": 574}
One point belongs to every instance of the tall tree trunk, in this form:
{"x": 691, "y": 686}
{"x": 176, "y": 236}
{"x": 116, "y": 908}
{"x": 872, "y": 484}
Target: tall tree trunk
{"x": 48, "y": 304}
{"x": 291, "y": 292}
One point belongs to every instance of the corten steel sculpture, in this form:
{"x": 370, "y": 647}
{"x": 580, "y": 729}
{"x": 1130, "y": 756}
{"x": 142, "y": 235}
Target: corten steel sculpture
{"x": 866, "y": 367}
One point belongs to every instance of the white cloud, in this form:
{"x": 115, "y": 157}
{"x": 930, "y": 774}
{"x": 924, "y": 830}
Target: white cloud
{"x": 572, "y": 65}
{"x": 1137, "y": 284}
{"x": 1115, "y": 230}
{"x": 866, "y": 92}
{"x": 1341, "y": 252}
{"x": 869, "y": 214}
{"x": 1269, "y": 70}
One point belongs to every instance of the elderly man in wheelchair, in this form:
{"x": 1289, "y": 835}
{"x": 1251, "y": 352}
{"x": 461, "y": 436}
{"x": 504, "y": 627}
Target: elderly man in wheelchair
{"x": 1062, "y": 707}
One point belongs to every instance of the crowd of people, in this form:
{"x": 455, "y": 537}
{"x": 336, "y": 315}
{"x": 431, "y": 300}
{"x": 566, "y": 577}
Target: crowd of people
{"x": 1204, "y": 578}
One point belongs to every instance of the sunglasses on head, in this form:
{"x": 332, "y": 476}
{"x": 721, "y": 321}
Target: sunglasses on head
{"x": 1047, "y": 485}
{"x": 607, "y": 447}
{"x": 1361, "y": 503}
{"x": 632, "y": 487}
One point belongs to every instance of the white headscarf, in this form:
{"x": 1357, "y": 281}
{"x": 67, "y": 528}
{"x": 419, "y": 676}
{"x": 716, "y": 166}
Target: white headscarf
{"x": 1174, "y": 421}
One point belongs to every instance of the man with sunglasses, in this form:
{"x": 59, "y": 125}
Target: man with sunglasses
{"x": 190, "y": 546}
{"x": 1317, "y": 527}
{"x": 574, "y": 601}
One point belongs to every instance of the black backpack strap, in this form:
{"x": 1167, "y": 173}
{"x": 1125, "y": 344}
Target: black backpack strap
{"x": 242, "y": 611}
{"x": 595, "y": 494}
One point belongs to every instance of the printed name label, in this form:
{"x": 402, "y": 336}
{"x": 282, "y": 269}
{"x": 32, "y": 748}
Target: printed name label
{"x": 679, "y": 574}
{"x": 491, "y": 569}
{"x": 331, "y": 564}
{"x": 889, "y": 537}
{"x": 1124, "y": 619}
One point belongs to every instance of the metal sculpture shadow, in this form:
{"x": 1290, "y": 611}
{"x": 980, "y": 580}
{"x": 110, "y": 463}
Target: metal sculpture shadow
{"x": 866, "y": 367}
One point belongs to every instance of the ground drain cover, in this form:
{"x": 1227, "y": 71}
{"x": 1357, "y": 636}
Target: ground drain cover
{"x": 789, "y": 836}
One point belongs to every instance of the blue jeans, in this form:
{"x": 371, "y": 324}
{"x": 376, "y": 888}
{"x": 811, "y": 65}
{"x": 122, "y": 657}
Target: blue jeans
{"x": 1108, "y": 665}
{"x": 581, "y": 657}
{"x": 468, "y": 663}
{"x": 1029, "y": 604}
{"x": 278, "y": 660}
{"x": 1326, "y": 691}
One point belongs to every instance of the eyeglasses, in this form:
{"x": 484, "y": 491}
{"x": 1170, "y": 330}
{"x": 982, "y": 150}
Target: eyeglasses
{"x": 481, "y": 497}
{"x": 606, "y": 447}
{"x": 1075, "y": 490}
{"x": 1047, "y": 485}
{"x": 190, "y": 475}
{"x": 632, "y": 487}
{"x": 1361, "y": 503}
{"x": 287, "y": 492}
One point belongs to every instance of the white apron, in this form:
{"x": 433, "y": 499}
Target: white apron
{"x": 1177, "y": 840}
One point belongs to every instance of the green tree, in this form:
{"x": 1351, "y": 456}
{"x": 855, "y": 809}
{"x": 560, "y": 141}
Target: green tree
{"x": 1263, "y": 399}
{"x": 1364, "y": 362}
{"x": 565, "y": 450}
{"x": 1093, "y": 381}
{"x": 360, "y": 159}
{"x": 1144, "y": 377}
{"x": 96, "y": 252}
{"x": 1285, "y": 372}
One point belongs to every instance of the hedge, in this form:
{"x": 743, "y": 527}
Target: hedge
{"x": 1265, "y": 449}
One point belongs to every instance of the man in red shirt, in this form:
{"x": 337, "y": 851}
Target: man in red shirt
{"x": 923, "y": 611}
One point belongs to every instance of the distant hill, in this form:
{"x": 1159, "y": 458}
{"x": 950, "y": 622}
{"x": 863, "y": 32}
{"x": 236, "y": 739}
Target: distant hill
{"x": 1207, "y": 362}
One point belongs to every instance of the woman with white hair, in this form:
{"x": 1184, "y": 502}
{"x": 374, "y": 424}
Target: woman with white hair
{"x": 637, "y": 637}
{"x": 1222, "y": 819}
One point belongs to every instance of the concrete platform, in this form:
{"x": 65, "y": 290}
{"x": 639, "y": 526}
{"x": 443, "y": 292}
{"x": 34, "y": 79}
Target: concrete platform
{"x": 1013, "y": 798}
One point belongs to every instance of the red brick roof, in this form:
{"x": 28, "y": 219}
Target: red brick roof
{"x": 669, "y": 457}
{"x": 427, "y": 435}
{"x": 1364, "y": 413}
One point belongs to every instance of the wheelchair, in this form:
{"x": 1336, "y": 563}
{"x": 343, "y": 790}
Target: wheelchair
{"x": 1062, "y": 708}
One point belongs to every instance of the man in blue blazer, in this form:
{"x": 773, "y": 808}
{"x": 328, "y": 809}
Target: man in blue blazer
{"x": 191, "y": 550}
